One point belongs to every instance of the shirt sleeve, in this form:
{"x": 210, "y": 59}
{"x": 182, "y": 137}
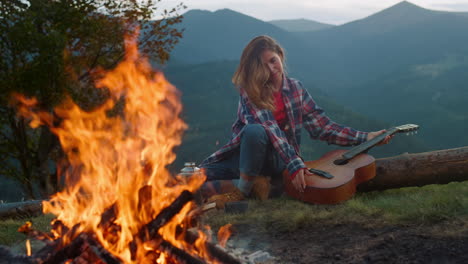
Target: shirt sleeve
{"x": 277, "y": 136}
{"x": 323, "y": 128}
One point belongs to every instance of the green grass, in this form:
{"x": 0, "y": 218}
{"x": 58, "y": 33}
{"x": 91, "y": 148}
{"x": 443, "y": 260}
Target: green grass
{"x": 9, "y": 234}
{"x": 416, "y": 205}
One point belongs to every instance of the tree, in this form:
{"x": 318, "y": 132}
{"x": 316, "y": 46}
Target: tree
{"x": 50, "y": 49}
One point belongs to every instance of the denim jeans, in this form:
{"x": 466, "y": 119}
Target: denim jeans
{"x": 255, "y": 156}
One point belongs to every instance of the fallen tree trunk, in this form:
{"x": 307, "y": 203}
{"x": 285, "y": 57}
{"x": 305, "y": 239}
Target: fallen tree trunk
{"x": 418, "y": 169}
{"x": 21, "y": 209}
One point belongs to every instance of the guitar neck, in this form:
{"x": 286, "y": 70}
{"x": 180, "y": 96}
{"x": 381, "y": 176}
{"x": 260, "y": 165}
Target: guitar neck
{"x": 364, "y": 147}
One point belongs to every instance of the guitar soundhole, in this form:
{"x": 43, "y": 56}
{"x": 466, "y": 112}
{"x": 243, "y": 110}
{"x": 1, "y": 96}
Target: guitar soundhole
{"x": 340, "y": 162}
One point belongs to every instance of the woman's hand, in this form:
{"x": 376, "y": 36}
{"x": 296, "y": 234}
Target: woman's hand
{"x": 372, "y": 135}
{"x": 299, "y": 181}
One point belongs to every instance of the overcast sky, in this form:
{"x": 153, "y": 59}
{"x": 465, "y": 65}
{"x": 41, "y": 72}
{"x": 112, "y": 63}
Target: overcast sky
{"x": 327, "y": 11}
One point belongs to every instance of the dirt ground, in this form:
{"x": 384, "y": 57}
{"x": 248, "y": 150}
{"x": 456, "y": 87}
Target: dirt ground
{"x": 352, "y": 243}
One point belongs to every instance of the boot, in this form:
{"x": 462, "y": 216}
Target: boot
{"x": 221, "y": 199}
{"x": 261, "y": 188}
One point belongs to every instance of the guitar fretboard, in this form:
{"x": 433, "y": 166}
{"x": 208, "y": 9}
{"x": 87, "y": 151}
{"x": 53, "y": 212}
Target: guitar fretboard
{"x": 364, "y": 147}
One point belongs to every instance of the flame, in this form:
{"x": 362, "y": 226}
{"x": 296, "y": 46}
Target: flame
{"x": 117, "y": 155}
{"x": 223, "y": 234}
{"x": 28, "y": 247}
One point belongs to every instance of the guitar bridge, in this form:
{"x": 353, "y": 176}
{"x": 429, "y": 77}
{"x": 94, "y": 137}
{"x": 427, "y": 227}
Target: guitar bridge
{"x": 321, "y": 173}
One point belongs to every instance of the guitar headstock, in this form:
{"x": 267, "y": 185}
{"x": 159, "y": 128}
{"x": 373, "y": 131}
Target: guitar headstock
{"x": 407, "y": 128}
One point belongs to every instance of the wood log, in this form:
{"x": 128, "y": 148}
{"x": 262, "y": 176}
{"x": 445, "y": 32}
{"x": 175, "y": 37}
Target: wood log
{"x": 150, "y": 230}
{"x": 418, "y": 169}
{"x": 21, "y": 209}
{"x": 180, "y": 254}
{"x": 214, "y": 251}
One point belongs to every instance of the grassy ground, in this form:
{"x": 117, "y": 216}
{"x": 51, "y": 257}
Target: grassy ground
{"x": 420, "y": 206}
{"x": 10, "y": 236}
{"x": 416, "y": 205}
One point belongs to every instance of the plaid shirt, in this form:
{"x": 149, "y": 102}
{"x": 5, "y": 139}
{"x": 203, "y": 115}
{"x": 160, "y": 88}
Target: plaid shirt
{"x": 301, "y": 111}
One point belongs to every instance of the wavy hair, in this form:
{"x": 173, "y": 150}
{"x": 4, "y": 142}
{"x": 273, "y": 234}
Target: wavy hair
{"x": 252, "y": 75}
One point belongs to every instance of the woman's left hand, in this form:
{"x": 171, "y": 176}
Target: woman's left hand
{"x": 299, "y": 182}
{"x": 372, "y": 135}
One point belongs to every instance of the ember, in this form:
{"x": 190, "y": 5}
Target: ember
{"x": 121, "y": 204}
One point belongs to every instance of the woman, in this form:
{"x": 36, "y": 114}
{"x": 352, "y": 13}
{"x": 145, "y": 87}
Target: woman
{"x": 266, "y": 135}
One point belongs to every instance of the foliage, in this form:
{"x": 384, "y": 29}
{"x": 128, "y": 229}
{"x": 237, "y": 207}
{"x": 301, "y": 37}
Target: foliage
{"x": 53, "y": 48}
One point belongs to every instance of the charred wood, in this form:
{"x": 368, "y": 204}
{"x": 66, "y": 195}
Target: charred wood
{"x": 83, "y": 245}
{"x": 181, "y": 255}
{"x": 150, "y": 230}
{"x": 214, "y": 251}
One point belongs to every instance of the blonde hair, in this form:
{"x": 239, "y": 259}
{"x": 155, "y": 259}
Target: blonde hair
{"x": 252, "y": 75}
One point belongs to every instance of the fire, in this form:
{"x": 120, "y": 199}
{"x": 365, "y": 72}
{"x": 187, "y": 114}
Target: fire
{"x": 223, "y": 234}
{"x": 28, "y": 247}
{"x": 117, "y": 157}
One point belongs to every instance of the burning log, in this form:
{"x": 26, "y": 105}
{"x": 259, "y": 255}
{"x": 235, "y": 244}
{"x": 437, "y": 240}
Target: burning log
{"x": 215, "y": 251}
{"x": 179, "y": 253}
{"x": 83, "y": 243}
{"x": 434, "y": 167}
{"x": 150, "y": 230}
{"x": 55, "y": 252}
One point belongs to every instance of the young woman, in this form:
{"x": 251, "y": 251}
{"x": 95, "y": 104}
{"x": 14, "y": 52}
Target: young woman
{"x": 273, "y": 109}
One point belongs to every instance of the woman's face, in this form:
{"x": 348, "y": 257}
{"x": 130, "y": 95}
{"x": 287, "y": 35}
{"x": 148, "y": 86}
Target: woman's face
{"x": 274, "y": 64}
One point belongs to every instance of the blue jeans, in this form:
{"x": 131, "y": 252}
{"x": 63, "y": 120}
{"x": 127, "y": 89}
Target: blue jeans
{"x": 255, "y": 156}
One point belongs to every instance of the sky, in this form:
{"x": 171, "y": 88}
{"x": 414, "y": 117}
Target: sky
{"x": 334, "y": 12}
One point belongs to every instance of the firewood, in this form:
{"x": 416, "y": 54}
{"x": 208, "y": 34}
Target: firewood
{"x": 150, "y": 230}
{"x": 179, "y": 253}
{"x": 20, "y": 209}
{"x": 214, "y": 251}
{"x": 84, "y": 242}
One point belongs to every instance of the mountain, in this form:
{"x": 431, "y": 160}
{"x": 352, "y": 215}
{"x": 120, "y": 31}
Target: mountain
{"x": 338, "y": 57}
{"x": 432, "y": 95}
{"x": 221, "y": 35}
{"x": 299, "y": 25}
{"x": 396, "y": 37}
{"x": 388, "y": 66}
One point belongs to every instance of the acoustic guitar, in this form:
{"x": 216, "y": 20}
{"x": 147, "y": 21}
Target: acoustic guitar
{"x": 338, "y": 172}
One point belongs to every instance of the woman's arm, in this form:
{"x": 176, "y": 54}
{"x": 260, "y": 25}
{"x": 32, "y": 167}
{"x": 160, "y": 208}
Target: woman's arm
{"x": 248, "y": 114}
{"x": 323, "y": 128}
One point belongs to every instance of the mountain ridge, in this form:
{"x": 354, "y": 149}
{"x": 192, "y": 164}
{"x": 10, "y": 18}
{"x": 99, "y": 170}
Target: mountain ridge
{"x": 352, "y": 61}
{"x": 300, "y": 25}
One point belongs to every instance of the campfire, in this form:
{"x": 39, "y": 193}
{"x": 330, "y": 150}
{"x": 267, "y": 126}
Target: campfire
{"x": 120, "y": 203}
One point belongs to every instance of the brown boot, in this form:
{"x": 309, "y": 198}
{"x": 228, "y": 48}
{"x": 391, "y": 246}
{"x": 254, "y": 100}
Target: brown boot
{"x": 261, "y": 188}
{"x": 222, "y": 199}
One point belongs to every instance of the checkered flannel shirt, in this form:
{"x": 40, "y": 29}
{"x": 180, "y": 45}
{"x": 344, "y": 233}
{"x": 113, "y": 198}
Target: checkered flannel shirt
{"x": 301, "y": 111}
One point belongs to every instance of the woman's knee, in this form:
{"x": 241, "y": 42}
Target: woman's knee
{"x": 255, "y": 132}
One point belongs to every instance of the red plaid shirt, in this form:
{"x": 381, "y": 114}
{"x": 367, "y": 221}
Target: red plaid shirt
{"x": 301, "y": 111}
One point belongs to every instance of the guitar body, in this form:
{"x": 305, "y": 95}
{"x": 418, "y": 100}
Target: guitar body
{"x": 321, "y": 190}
